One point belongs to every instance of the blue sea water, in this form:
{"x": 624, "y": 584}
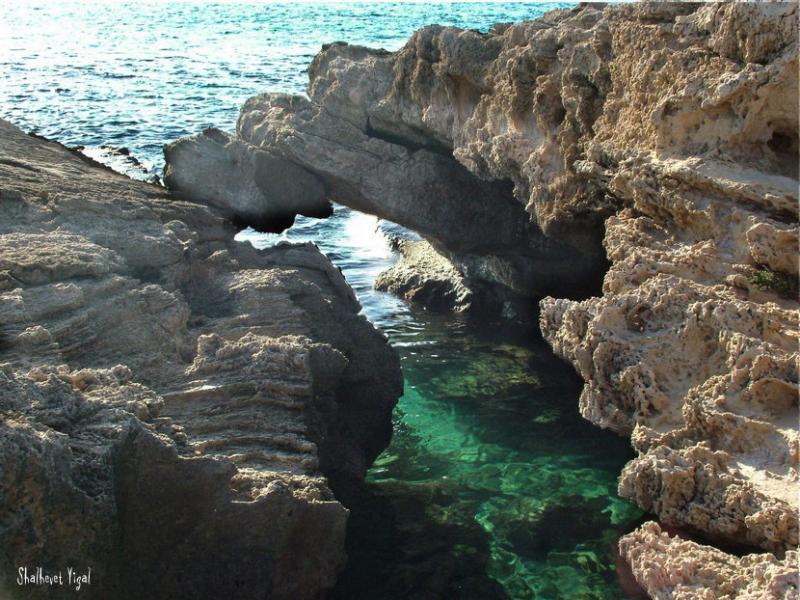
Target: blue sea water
{"x": 493, "y": 487}
{"x": 138, "y": 73}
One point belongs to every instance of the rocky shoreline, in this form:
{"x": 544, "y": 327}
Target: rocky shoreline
{"x": 172, "y": 401}
{"x": 661, "y": 137}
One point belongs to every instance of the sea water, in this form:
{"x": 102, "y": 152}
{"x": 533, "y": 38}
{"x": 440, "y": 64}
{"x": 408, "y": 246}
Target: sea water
{"x": 493, "y": 486}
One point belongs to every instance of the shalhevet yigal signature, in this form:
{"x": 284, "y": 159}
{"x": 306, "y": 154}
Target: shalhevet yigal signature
{"x": 37, "y": 576}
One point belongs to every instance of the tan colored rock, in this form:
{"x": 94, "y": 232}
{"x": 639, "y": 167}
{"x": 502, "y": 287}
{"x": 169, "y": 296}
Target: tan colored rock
{"x": 671, "y": 568}
{"x": 363, "y": 133}
{"x": 172, "y": 401}
{"x": 669, "y": 131}
{"x": 420, "y": 187}
{"x": 424, "y": 276}
{"x": 684, "y": 357}
{"x": 683, "y": 351}
{"x": 774, "y": 245}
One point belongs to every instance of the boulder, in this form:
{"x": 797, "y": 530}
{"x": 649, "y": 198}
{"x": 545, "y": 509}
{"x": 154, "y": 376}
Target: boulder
{"x": 424, "y": 276}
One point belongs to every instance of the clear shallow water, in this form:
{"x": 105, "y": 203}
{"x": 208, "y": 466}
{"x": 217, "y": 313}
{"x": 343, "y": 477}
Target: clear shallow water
{"x": 493, "y": 486}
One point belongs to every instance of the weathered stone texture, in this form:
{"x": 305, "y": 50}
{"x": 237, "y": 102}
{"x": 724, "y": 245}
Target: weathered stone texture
{"x": 173, "y": 404}
{"x": 668, "y": 132}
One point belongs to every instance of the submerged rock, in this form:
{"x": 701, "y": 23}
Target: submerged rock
{"x": 424, "y": 276}
{"x": 428, "y": 547}
{"x": 173, "y": 404}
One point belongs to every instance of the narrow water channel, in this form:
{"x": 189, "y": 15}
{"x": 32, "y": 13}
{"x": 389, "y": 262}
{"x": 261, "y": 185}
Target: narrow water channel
{"x": 493, "y": 485}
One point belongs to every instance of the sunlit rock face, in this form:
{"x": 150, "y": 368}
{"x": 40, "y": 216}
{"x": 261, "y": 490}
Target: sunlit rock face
{"x": 251, "y": 187}
{"x": 349, "y": 136}
{"x": 424, "y": 276}
{"x": 670, "y": 567}
{"x": 692, "y": 349}
{"x": 666, "y": 130}
{"x": 174, "y": 404}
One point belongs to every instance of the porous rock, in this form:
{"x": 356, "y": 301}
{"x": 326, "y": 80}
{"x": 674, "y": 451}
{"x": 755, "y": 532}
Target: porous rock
{"x": 671, "y": 568}
{"x": 424, "y": 276}
{"x": 697, "y": 142}
{"x": 668, "y": 132}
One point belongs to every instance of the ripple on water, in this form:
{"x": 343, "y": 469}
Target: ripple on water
{"x": 490, "y": 454}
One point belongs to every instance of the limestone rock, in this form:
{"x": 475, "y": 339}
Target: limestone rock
{"x": 424, "y": 276}
{"x": 252, "y": 187}
{"x": 420, "y": 188}
{"x": 670, "y": 568}
{"x": 686, "y": 351}
{"x": 348, "y": 135}
{"x": 665, "y": 131}
{"x": 171, "y": 401}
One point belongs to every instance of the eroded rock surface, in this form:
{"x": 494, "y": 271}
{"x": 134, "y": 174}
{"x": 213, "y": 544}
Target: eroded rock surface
{"x": 671, "y": 568}
{"x": 667, "y": 130}
{"x": 424, "y": 276}
{"x": 349, "y": 135}
{"x": 688, "y": 350}
{"x": 173, "y": 404}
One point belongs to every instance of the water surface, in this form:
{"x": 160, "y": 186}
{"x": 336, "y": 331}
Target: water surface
{"x": 493, "y": 486}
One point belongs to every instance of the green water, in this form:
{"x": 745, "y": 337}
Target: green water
{"x": 493, "y": 486}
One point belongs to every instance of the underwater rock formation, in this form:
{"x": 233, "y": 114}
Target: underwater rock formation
{"x": 667, "y": 130}
{"x": 173, "y": 404}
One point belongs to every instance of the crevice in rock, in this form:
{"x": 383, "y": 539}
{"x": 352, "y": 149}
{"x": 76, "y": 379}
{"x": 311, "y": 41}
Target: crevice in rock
{"x": 271, "y": 224}
{"x": 784, "y": 144}
{"x": 173, "y": 356}
{"x": 399, "y": 140}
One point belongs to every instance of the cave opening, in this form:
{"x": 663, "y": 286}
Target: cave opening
{"x": 784, "y": 145}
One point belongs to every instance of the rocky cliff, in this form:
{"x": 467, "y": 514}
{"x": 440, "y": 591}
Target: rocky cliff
{"x": 173, "y": 404}
{"x": 662, "y": 137}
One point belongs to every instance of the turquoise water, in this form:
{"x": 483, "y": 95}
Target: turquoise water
{"x": 139, "y": 73}
{"x": 492, "y": 477}
{"x": 493, "y": 486}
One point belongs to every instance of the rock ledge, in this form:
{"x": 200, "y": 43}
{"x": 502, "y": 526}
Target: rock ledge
{"x": 173, "y": 404}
